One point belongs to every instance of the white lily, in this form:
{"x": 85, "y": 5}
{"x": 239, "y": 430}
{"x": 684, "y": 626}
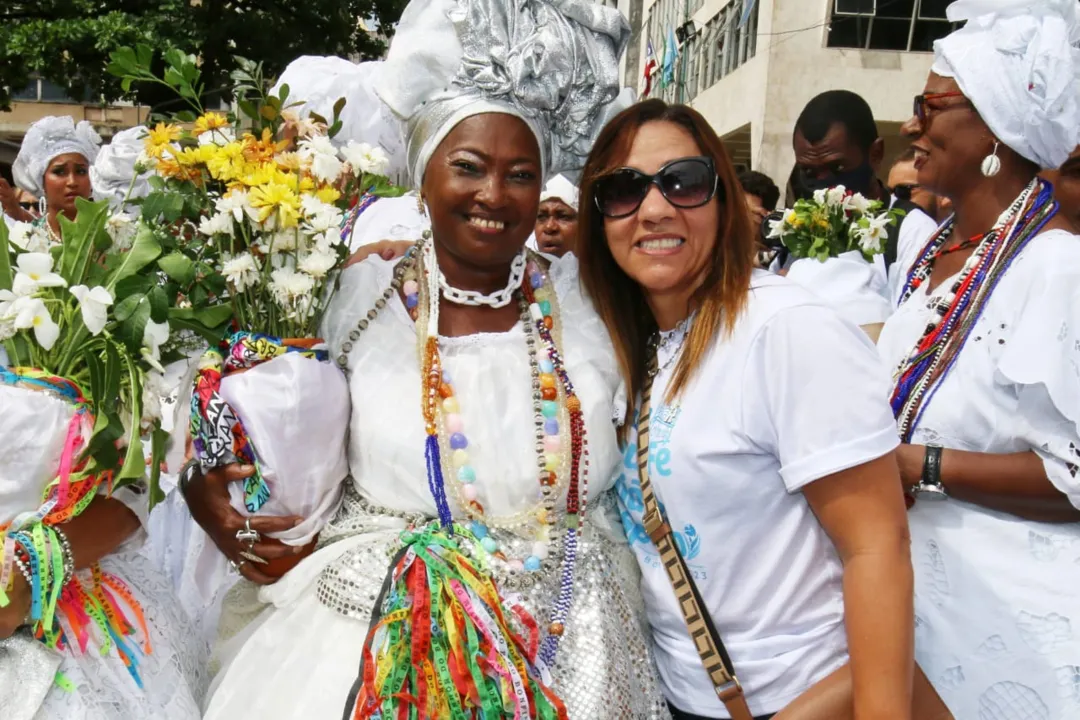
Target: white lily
{"x": 834, "y": 196}
{"x": 121, "y": 228}
{"x": 819, "y": 196}
{"x": 872, "y": 238}
{"x": 94, "y": 304}
{"x": 154, "y": 389}
{"x": 858, "y": 203}
{"x": 35, "y": 272}
{"x": 29, "y": 238}
{"x": 32, "y": 313}
{"x": 154, "y": 336}
{"x": 777, "y": 227}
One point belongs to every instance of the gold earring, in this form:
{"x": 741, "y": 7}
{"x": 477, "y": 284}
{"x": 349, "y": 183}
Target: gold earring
{"x": 420, "y": 207}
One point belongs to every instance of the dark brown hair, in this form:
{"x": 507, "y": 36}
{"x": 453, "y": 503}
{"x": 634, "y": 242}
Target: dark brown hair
{"x": 619, "y": 300}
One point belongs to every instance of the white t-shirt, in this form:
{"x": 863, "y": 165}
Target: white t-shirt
{"x": 794, "y": 394}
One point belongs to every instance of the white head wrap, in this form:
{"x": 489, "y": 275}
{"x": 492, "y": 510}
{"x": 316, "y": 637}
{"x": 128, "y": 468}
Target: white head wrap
{"x": 46, "y": 139}
{"x": 1017, "y": 62}
{"x": 113, "y": 172}
{"x": 552, "y": 63}
{"x": 318, "y": 82}
{"x": 559, "y": 188}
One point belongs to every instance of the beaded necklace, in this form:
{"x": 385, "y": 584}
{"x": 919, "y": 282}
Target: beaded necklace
{"x": 921, "y": 373}
{"x": 558, "y": 421}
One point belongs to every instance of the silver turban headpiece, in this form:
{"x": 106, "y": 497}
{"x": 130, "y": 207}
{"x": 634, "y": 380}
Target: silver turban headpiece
{"x": 552, "y": 63}
{"x": 1017, "y": 62}
{"x": 45, "y": 140}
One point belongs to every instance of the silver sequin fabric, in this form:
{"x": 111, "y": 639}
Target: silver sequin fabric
{"x": 27, "y": 669}
{"x": 604, "y": 669}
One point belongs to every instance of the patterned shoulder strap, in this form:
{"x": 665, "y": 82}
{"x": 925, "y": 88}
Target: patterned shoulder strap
{"x": 702, "y": 631}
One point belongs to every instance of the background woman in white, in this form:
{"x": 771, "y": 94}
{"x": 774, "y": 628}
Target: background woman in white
{"x": 986, "y": 346}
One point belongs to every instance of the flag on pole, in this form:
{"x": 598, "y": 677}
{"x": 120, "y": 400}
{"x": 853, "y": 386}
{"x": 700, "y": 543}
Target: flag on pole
{"x": 671, "y": 56}
{"x": 748, "y": 7}
{"x": 650, "y": 66}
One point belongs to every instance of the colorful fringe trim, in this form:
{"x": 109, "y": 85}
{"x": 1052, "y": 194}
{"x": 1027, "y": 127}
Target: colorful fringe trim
{"x": 443, "y": 643}
{"x": 67, "y": 614}
{"x": 217, "y": 432}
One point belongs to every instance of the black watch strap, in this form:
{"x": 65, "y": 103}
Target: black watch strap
{"x": 931, "y": 471}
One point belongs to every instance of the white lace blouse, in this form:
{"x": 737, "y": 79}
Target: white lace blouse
{"x": 997, "y": 608}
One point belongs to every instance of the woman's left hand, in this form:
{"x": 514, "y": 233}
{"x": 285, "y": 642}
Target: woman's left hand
{"x": 15, "y": 614}
{"x": 910, "y": 458}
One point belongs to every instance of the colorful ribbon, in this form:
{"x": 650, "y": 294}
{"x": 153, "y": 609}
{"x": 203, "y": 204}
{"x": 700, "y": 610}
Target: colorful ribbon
{"x": 446, "y": 644}
{"x": 217, "y": 433}
{"x": 65, "y": 612}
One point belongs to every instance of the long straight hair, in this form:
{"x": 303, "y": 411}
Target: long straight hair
{"x": 619, "y": 300}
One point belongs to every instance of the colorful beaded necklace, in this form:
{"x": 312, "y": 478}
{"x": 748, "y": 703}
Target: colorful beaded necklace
{"x": 558, "y": 420}
{"x": 922, "y": 371}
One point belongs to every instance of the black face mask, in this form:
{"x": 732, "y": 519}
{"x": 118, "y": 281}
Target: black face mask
{"x": 859, "y": 180}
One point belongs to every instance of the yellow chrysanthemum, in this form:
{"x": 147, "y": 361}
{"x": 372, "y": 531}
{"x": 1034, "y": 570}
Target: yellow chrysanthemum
{"x": 226, "y": 163}
{"x": 328, "y": 194}
{"x": 210, "y": 121}
{"x": 160, "y": 139}
{"x": 171, "y": 169}
{"x": 257, "y": 175}
{"x": 192, "y": 156}
{"x": 276, "y": 200}
{"x": 289, "y": 161}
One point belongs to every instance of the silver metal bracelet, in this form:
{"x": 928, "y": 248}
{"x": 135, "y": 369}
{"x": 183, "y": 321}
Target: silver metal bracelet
{"x": 68, "y": 553}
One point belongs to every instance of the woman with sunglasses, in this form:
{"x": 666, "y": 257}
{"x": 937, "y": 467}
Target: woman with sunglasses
{"x": 985, "y": 347}
{"x": 771, "y": 446}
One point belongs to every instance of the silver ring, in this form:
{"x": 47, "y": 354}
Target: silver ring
{"x": 248, "y": 536}
{"x": 253, "y": 558}
{"x": 237, "y": 565}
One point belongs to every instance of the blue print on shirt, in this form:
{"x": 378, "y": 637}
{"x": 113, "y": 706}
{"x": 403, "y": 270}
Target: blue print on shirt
{"x": 628, "y": 489}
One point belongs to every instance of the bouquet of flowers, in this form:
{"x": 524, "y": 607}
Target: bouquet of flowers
{"x": 84, "y": 320}
{"x": 834, "y": 222}
{"x": 256, "y": 202}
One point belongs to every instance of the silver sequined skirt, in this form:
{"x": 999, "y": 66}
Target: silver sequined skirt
{"x": 604, "y": 669}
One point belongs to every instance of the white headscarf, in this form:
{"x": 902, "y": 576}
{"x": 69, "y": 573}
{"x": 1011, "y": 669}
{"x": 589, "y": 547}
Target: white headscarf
{"x": 555, "y": 65}
{"x": 113, "y": 172}
{"x": 559, "y": 188}
{"x": 1017, "y": 62}
{"x": 45, "y": 140}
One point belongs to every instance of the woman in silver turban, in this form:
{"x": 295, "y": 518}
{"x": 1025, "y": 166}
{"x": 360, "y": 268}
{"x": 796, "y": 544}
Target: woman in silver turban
{"x": 986, "y": 349}
{"x": 476, "y": 566}
{"x": 53, "y": 165}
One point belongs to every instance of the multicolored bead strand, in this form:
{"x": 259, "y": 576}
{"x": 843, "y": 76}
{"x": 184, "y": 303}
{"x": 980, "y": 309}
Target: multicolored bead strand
{"x": 921, "y": 373}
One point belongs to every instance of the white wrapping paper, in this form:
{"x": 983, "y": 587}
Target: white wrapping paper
{"x": 856, "y": 288}
{"x": 296, "y": 413}
{"x": 33, "y": 427}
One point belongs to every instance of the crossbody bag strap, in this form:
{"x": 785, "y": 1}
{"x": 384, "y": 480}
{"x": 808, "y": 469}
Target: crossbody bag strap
{"x": 702, "y": 631}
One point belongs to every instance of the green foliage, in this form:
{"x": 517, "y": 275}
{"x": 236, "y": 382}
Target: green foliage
{"x": 68, "y": 42}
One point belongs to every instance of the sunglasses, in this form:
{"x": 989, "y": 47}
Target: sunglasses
{"x": 921, "y": 109}
{"x": 685, "y": 183}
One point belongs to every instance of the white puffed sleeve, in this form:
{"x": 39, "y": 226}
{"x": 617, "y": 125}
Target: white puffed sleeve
{"x": 1042, "y": 361}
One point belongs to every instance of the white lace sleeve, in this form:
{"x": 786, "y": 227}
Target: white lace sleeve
{"x": 1042, "y": 361}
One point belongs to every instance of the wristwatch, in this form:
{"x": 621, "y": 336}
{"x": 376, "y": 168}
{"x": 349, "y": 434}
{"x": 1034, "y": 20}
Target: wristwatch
{"x": 930, "y": 487}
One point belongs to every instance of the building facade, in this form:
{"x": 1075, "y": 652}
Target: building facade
{"x": 750, "y": 66}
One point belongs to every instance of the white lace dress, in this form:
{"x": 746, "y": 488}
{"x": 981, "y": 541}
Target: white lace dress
{"x": 998, "y": 597}
{"x": 300, "y": 657}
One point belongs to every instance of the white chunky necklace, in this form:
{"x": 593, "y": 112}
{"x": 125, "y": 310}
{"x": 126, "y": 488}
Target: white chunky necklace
{"x": 497, "y": 299}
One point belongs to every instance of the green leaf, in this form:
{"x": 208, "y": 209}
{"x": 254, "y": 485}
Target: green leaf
{"x": 283, "y": 94}
{"x": 136, "y": 313}
{"x": 209, "y": 321}
{"x": 79, "y": 238}
{"x": 173, "y": 77}
{"x": 177, "y": 266}
{"x": 338, "y": 106}
{"x": 334, "y": 129}
{"x": 134, "y": 466}
{"x": 185, "y": 116}
{"x": 97, "y": 389}
{"x": 127, "y": 307}
{"x": 131, "y": 285}
{"x": 159, "y": 440}
{"x": 159, "y": 304}
{"x": 143, "y": 252}
{"x": 6, "y": 276}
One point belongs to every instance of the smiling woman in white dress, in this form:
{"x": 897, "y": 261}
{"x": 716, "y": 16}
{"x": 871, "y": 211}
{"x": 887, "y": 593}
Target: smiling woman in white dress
{"x": 462, "y": 410}
{"x": 986, "y": 350}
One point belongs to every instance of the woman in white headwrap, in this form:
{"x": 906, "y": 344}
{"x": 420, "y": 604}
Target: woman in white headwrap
{"x": 556, "y": 221}
{"x": 53, "y": 165}
{"x": 509, "y": 431}
{"x": 134, "y": 657}
{"x": 986, "y": 346}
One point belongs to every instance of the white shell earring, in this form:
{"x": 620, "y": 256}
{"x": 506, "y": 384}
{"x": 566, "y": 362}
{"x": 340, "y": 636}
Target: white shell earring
{"x": 991, "y": 164}
{"x": 43, "y": 206}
